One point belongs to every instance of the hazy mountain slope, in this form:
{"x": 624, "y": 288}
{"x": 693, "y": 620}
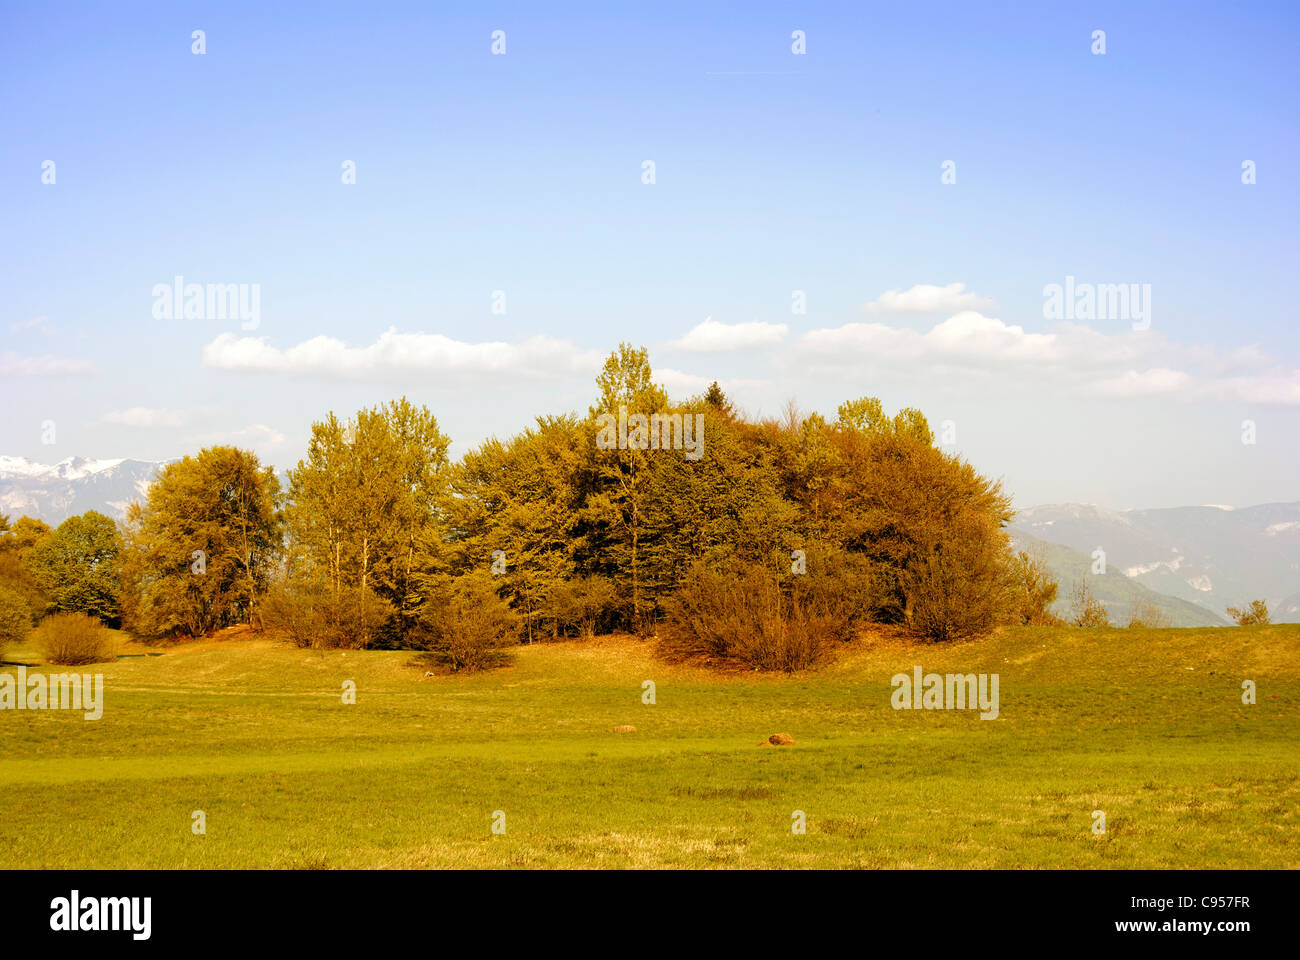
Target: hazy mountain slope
{"x": 1215, "y": 557}
{"x": 1287, "y": 610}
{"x": 1113, "y": 589}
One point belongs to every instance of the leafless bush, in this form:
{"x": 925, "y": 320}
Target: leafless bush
{"x": 1146, "y": 614}
{"x": 584, "y": 605}
{"x": 73, "y": 639}
{"x": 1034, "y": 589}
{"x": 1086, "y": 610}
{"x": 315, "y": 616}
{"x": 748, "y": 615}
{"x": 466, "y": 627}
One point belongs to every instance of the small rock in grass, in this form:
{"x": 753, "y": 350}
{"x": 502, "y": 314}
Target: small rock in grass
{"x": 625, "y": 728}
{"x": 781, "y": 740}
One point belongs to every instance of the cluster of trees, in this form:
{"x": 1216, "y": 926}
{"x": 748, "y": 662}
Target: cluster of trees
{"x": 379, "y": 540}
{"x": 72, "y": 569}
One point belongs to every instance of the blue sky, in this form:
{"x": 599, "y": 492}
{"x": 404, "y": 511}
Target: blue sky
{"x": 774, "y": 173}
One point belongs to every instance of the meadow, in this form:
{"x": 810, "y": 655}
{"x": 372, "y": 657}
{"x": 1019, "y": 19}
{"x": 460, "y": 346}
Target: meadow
{"x": 1147, "y": 726}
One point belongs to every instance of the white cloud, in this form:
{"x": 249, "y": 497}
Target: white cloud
{"x": 143, "y": 417}
{"x": 257, "y": 435}
{"x": 1153, "y": 381}
{"x": 968, "y": 336}
{"x": 1270, "y": 387}
{"x": 152, "y": 417}
{"x": 20, "y": 325}
{"x": 927, "y": 298}
{"x": 395, "y": 353}
{"x": 1128, "y": 363}
{"x": 714, "y": 337}
{"x": 48, "y": 365}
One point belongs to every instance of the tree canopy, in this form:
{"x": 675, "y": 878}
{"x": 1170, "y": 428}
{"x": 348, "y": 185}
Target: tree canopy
{"x": 379, "y": 533}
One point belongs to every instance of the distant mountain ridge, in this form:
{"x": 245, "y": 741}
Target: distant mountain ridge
{"x": 1212, "y": 556}
{"x": 54, "y": 492}
{"x": 1117, "y": 592}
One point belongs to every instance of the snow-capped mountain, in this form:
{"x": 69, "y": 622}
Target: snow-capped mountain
{"x": 54, "y": 492}
{"x": 1215, "y": 556}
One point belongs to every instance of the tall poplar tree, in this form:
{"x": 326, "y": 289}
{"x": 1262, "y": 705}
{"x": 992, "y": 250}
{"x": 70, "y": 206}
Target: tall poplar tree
{"x": 619, "y": 504}
{"x": 365, "y": 499}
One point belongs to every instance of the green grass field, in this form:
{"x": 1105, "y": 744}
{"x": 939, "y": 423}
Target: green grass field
{"x": 1147, "y": 726}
